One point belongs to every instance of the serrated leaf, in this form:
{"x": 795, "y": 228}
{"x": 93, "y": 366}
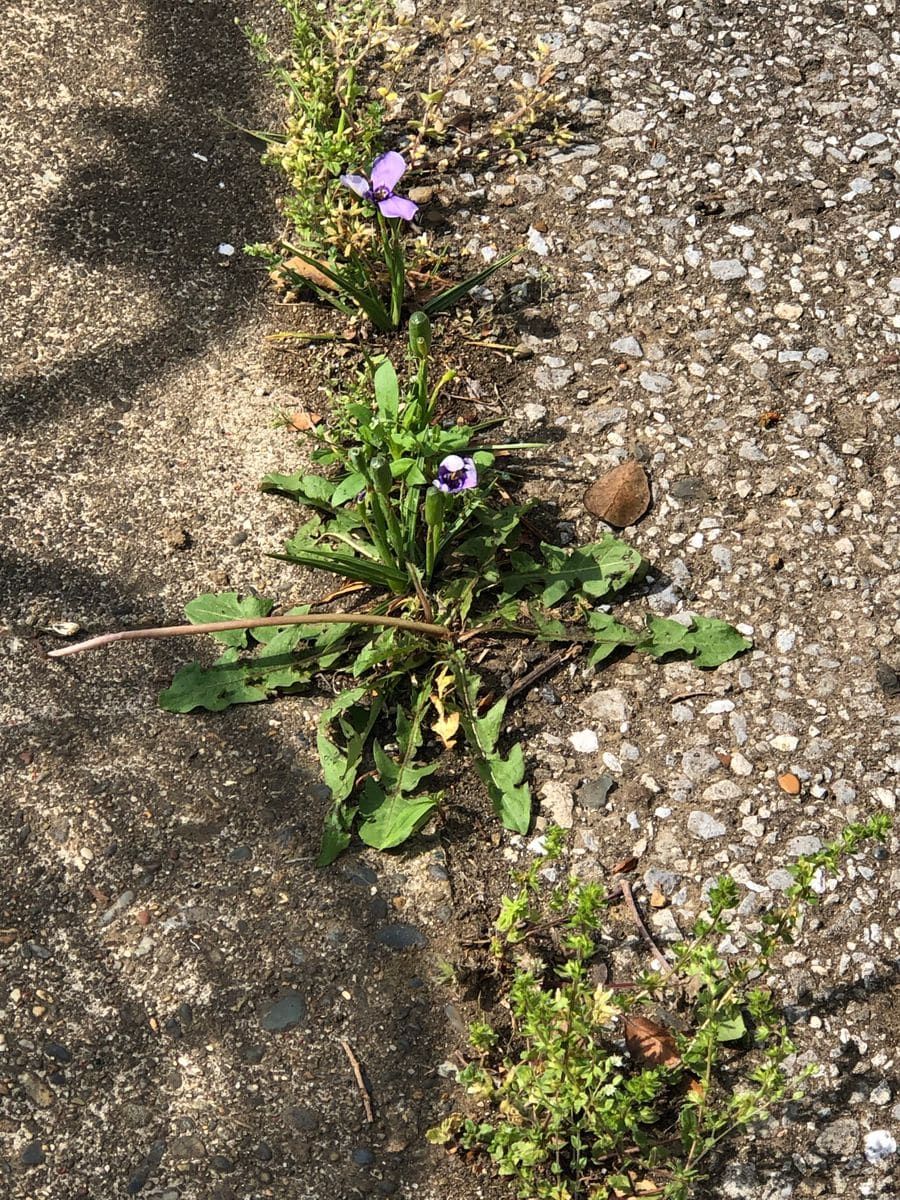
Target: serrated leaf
{"x": 707, "y": 641}
{"x": 510, "y": 796}
{"x": 715, "y": 642}
{"x": 308, "y": 489}
{"x": 268, "y": 633}
{"x": 404, "y": 775}
{"x": 487, "y": 728}
{"x": 387, "y": 819}
{"x": 663, "y": 636}
{"x": 596, "y": 570}
{"x": 336, "y": 830}
{"x": 609, "y": 635}
{"x": 227, "y": 606}
{"x": 214, "y": 688}
{"x": 377, "y": 650}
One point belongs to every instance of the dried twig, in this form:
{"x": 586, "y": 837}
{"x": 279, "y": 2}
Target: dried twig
{"x": 645, "y": 932}
{"x": 360, "y": 1082}
{"x": 550, "y": 663}
{"x": 130, "y": 635}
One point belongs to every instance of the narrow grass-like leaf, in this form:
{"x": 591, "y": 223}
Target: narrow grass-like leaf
{"x": 451, "y": 296}
{"x": 370, "y": 304}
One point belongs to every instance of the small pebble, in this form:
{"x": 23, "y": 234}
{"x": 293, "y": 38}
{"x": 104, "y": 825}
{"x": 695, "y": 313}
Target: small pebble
{"x": 725, "y": 269}
{"x": 629, "y": 346}
{"x": 584, "y": 741}
{"x": 636, "y": 275}
{"x": 880, "y": 1144}
{"x": 704, "y": 825}
{"x": 401, "y": 937}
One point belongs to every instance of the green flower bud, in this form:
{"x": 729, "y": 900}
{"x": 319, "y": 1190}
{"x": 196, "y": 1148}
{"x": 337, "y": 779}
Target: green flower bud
{"x": 435, "y": 503}
{"x": 380, "y": 474}
{"x": 419, "y": 334}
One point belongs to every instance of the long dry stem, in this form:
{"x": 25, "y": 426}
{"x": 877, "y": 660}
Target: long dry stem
{"x": 165, "y": 631}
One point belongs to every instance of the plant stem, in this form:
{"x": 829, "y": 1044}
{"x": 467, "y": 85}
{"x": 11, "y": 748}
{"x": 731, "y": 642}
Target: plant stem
{"x": 165, "y": 631}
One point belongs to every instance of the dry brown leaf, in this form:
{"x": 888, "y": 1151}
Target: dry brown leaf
{"x": 305, "y": 270}
{"x": 621, "y": 496}
{"x": 650, "y": 1043}
{"x": 344, "y": 590}
{"x": 446, "y": 726}
{"x": 642, "y": 1187}
{"x": 302, "y": 421}
{"x": 623, "y": 866}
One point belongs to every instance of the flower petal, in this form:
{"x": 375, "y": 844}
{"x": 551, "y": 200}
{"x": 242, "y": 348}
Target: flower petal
{"x": 387, "y": 170}
{"x": 398, "y": 206}
{"x": 452, "y": 462}
{"x": 470, "y": 479}
{"x": 356, "y": 183}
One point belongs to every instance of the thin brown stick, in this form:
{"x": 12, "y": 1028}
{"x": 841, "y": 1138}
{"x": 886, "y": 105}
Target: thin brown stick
{"x": 645, "y": 932}
{"x": 550, "y": 663}
{"x": 360, "y": 1082}
{"x": 130, "y": 635}
{"x": 423, "y": 599}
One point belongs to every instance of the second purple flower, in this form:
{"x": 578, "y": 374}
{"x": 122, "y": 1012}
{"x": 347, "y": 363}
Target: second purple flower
{"x": 455, "y": 474}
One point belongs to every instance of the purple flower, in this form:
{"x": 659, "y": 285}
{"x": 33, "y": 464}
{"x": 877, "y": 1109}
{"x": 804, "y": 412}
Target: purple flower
{"x": 385, "y": 175}
{"x": 455, "y": 474}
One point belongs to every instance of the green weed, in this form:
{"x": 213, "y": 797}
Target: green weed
{"x": 605, "y": 1091}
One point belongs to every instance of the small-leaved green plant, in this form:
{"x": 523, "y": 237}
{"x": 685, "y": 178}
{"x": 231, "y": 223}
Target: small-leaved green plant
{"x": 345, "y": 241}
{"x": 604, "y": 1091}
{"x": 410, "y": 509}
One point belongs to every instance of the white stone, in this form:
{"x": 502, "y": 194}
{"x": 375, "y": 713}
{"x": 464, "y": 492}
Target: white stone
{"x": 788, "y": 312}
{"x": 534, "y": 412}
{"x": 704, "y": 826}
{"x": 723, "y": 791}
{"x": 225, "y": 249}
{"x": 650, "y": 381}
{"x": 608, "y": 707}
{"x": 724, "y": 269}
{"x": 558, "y": 802}
{"x": 629, "y": 346}
{"x": 585, "y": 741}
{"x": 879, "y": 1145}
{"x": 627, "y": 121}
{"x": 537, "y": 243}
{"x": 741, "y": 765}
{"x": 636, "y": 275}
{"x": 871, "y": 139}
{"x": 785, "y": 742}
